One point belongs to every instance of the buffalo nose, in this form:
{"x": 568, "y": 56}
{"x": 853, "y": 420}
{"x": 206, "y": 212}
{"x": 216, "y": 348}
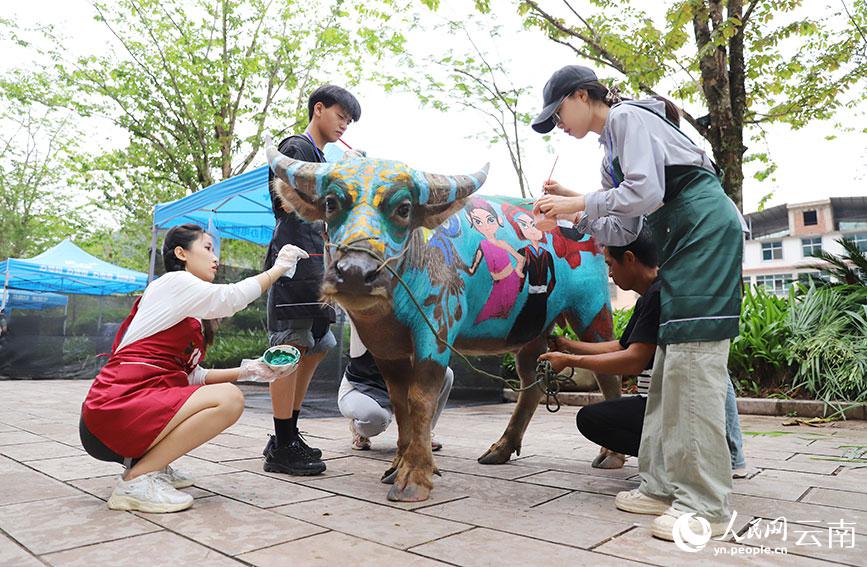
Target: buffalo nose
{"x": 354, "y": 273}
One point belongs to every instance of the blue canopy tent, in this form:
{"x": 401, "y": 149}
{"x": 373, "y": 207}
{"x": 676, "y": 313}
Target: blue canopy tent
{"x": 31, "y": 300}
{"x": 68, "y": 269}
{"x": 238, "y": 208}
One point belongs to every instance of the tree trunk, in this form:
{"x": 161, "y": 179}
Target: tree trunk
{"x": 737, "y": 87}
{"x": 725, "y": 100}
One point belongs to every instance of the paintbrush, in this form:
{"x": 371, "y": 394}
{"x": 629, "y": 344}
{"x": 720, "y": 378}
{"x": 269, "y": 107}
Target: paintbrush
{"x": 556, "y": 158}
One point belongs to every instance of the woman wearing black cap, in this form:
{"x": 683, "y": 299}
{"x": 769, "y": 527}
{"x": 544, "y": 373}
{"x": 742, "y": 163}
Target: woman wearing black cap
{"x": 652, "y": 172}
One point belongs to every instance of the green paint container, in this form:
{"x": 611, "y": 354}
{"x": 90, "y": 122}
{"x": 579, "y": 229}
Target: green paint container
{"x": 281, "y": 357}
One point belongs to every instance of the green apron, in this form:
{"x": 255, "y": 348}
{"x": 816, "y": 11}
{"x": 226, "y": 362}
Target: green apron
{"x": 700, "y": 243}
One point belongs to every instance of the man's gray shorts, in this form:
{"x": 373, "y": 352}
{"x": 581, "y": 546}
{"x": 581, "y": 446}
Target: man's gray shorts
{"x": 311, "y": 335}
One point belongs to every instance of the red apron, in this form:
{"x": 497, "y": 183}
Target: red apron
{"x": 143, "y": 386}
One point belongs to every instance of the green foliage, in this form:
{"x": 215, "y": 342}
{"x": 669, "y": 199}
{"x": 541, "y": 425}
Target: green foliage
{"x": 230, "y": 348}
{"x": 814, "y": 343}
{"x": 77, "y": 350}
{"x": 828, "y": 346}
{"x": 621, "y": 319}
{"x": 760, "y": 351}
{"x": 850, "y": 268}
{"x": 195, "y": 86}
{"x": 37, "y": 143}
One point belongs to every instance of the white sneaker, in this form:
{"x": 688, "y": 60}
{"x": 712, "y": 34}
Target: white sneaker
{"x": 178, "y": 478}
{"x": 148, "y": 493}
{"x": 435, "y": 444}
{"x": 663, "y": 526}
{"x": 359, "y": 441}
{"x": 744, "y": 472}
{"x": 637, "y": 503}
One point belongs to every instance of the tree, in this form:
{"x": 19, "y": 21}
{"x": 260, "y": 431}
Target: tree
{"x": 37, "y": 140}
{"x": 475, "y": 78}
{"x": 195, "y": 85}
{"x": 750, "y": 63}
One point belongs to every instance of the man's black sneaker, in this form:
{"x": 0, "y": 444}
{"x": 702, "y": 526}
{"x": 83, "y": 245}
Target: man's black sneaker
{"x": 292, "y": 459}
{"x": 313, "y": 451}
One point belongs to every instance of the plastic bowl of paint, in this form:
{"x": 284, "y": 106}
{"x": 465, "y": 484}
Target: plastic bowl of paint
{"x": 281, "y": 357}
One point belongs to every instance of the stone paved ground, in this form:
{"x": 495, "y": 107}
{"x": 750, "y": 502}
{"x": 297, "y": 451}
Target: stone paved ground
{"x": 546, "y": 508}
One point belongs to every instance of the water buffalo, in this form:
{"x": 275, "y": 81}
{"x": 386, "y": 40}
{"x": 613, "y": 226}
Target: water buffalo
{"x": 485, "y": 278}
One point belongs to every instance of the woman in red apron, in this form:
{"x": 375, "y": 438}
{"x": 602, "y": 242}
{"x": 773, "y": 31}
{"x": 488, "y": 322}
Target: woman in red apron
{"x": 152, "y": 403}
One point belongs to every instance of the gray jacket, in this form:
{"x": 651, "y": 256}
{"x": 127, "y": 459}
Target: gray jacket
{"x": 645, "y": 145}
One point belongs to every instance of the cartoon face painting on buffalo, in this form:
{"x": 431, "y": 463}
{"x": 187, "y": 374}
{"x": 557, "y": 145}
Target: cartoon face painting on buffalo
{"x": 474, "y": 267}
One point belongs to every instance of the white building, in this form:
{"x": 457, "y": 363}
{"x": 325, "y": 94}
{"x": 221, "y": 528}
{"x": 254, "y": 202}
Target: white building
{"x": 782, "y": 239}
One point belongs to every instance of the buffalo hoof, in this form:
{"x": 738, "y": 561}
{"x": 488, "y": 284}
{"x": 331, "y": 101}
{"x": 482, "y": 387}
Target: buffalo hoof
{"x": 613, "y": 461}
{"x": 409, "y": 493}
{"x": 389, "y": 476}
{"x": 498, "y": 454}
{"x": 608, "y": 459}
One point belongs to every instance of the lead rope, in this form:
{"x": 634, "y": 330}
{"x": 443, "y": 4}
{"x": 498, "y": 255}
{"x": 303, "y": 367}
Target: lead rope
{"x": 546, "y": 379}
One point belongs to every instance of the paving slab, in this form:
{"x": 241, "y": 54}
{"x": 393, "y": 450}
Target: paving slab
{"x": 162, "y": 549}
{"x": 547, "y": 506}
{"x": 63, "y": 523}
{"x": 382, "y": 524}
{"x": 233, "y": 527}
{"x": 334, "y": 548}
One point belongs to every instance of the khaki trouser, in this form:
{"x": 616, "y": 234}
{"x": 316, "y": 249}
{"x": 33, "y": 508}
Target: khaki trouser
{"x": 683, "y": 453}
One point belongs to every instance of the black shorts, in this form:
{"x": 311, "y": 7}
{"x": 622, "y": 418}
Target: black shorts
{"x": 97, "y": 449}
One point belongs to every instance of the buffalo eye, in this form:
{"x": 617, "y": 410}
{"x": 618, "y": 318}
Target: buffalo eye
{"x": 403, "y": 211}
{"x": 331, "y": 205}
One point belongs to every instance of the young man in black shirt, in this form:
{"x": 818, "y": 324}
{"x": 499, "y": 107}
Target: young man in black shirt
{"x": 296, "y": 315}
{"x": 616, "y": 424}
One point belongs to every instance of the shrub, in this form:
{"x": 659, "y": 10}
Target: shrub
{"x": 828, "y": 343}
{"x": 760, "y": 351}
{"x": 230, "y": 348}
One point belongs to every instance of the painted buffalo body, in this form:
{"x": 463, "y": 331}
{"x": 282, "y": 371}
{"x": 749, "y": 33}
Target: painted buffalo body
{"x": 480, "y": 273}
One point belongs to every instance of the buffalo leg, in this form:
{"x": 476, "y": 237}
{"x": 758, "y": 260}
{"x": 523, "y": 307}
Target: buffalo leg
{"x": 415, "y": 470}
{"x": 397, "y": 374}
{"x": 525, "y": 362}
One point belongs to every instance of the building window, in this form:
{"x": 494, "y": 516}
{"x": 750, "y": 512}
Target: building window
{"x": 845, "y": 226}
{"x": 777, "y": 284}
{"x": 747, "y": 281}
{"x": 816, "y": 278}
{"x": 860, "y": 240}
{"x": 810, "y": 218}
{"x": 811, "y": 246}
{"x": 772, "y": 250}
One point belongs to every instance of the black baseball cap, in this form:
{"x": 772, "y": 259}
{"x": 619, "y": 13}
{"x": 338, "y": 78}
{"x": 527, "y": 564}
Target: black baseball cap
{"x": 561, "y": 84}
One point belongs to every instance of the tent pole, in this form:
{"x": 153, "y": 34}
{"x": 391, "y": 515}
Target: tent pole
{"x": 153, "y": 254}
{"x": 99, "y": 319}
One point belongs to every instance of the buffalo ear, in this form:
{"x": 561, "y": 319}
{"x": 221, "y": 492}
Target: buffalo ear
{"x": 294, "y": 200}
